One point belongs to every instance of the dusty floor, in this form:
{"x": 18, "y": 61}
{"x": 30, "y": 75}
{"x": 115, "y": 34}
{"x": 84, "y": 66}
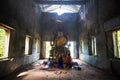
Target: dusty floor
{"x": 33, "y": 72}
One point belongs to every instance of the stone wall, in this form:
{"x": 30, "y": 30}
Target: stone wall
{"x": 23, "y": 17}
{"x": 9, "y": 65}
{"x": 100, "y": 18}
{"x": 51, "y": 23}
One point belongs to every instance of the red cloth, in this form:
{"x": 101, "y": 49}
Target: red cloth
{"x": 68, "y": 60}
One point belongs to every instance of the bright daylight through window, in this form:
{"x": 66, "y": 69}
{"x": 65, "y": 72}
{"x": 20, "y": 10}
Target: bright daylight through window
{"x": 116, "y": 42}
{"x": 4, "y": 42}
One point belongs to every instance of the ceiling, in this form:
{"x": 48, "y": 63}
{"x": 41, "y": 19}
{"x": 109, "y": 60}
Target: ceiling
{"x": 60, "y": 6}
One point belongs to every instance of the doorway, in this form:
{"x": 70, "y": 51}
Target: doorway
{"x": 72, "y": 48}
{"x": 47, "y": 49}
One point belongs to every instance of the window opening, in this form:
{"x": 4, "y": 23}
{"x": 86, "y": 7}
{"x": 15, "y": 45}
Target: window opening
{"x": 116, "y": 42}
{"x": 82, "y": 46}
{"x": 94, "y": 46}
{"x": 37, "y": 46}
{"x": 4, "y": 42}
{"x": 27, "y": 44}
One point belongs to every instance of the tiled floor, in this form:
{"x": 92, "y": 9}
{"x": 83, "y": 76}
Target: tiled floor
{"x": 33, "y": 72}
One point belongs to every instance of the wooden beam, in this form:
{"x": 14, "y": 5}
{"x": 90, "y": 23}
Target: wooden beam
{"x": 61, "y": 2}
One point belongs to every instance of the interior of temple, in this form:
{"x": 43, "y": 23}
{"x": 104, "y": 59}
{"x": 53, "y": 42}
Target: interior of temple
{"x": 59, "y": 39}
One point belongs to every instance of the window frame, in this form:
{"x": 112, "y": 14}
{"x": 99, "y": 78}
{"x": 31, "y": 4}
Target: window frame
{"x": 37, "y": 46}
{"x": 93, "y": 46}
{"x": 27, "y": 45}
{"x": 7, "y": 40}
{"x": 82, "y": 46}
{"x": 115, "y": 43}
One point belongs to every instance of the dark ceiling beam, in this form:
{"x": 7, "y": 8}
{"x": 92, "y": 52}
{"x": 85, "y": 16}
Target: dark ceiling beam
{"x": 61, "y": 2}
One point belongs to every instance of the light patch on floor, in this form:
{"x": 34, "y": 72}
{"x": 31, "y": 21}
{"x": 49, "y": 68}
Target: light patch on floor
{"x": 33, "y": 72}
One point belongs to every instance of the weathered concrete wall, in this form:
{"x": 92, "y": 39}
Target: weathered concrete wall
{"x": 100, "y": 18}
{"x": 23, "y": 17}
